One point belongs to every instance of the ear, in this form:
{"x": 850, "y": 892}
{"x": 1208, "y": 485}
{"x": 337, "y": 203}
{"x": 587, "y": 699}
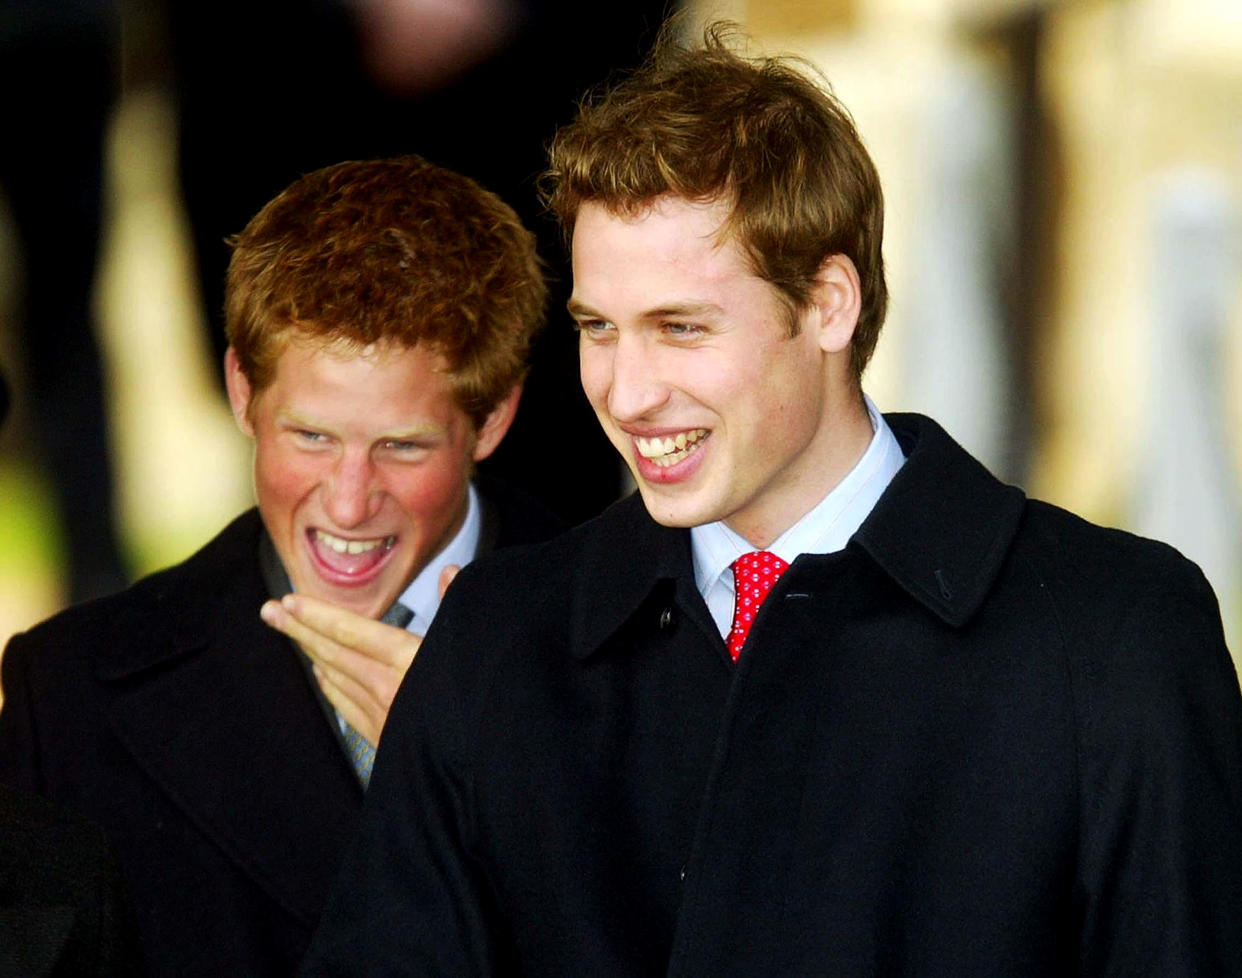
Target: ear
{"x": 496, "y": 425}
{"x": 239, "y": 391}
{"x": 836, "y": 299}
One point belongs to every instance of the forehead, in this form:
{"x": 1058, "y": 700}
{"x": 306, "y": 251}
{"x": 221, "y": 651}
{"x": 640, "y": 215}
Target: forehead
{"x": 293, "y": 346}
{"x": 378, "y": 385}
{"x": 671, "y": 251}
{"x": 670, "y": 223}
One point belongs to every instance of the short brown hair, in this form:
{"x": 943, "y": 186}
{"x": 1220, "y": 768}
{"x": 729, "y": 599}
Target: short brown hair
{"x": 707, "y": 123}
{"x": 396, "y": 251}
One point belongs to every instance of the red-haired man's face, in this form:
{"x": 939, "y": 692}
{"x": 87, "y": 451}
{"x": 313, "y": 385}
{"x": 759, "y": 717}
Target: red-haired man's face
{"x": 361, "y": 465}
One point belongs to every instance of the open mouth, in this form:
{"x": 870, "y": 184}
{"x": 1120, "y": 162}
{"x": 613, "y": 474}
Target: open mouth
{"x": 345, "y": 558}
{"x": 671, "y": 449}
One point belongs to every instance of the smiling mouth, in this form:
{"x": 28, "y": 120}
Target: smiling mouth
{"x": 349, "y": 561}
{"x": 671, "y": 449}
{"x": 353, "y": 547}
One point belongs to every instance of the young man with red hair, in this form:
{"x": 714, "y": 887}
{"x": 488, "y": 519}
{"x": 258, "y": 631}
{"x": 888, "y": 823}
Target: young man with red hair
{"x": 379, "y": 315}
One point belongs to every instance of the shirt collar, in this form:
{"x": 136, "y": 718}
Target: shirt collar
{"x": 942, "y": 532}
{"x": 826, "y": 528}
{"x": 422, "y": 596}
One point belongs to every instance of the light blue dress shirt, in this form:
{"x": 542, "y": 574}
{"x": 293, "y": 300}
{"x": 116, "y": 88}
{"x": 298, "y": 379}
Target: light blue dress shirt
{"x": 825, "y": 529}
{"x": 423, "y": 594}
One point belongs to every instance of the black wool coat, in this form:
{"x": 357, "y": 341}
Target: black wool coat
{"x": 188, "y": 729}
{"x": 64, "y": 909}
{"x": 986, "y": 739}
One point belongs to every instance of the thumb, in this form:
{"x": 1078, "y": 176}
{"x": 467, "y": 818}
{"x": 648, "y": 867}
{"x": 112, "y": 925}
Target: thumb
{"x": 446, "y": 577}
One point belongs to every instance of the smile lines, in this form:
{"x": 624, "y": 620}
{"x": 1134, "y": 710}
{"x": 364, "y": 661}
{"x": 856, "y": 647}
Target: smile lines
{"x": 670, "y": 450}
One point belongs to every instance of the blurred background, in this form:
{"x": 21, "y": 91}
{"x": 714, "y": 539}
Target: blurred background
{"x": 1064, "y": 240}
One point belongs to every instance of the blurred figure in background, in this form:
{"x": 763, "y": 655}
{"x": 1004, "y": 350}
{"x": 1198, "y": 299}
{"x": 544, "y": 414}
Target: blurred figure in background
{"x": 59, "y": 75}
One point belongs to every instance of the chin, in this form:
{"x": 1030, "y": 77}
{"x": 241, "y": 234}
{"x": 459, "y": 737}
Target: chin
{"x": 668, "y": 513}
{"x": 361, "y": 602}
{"x": 366, "y": 607}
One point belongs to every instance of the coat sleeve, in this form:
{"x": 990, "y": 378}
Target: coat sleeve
{"x": 1159, "y": 880}
{"x": 19, "y": 746}
{"x": 414, "y": 896}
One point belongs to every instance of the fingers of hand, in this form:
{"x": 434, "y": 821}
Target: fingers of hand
{"x": 351, "y": 703}
{"x": 446, "y": 577}
{"x": 318, "y": 646}
{"x": 360, "y": 662}
{"x": 343, "y": 627}
{"x": 334, "y": 629}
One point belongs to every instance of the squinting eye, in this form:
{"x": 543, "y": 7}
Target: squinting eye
{"x": 310, "y": 435}
{"x": 593, "y": 327}
{"x": 681, "y": 329}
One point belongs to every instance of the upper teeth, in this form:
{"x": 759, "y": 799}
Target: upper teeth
{"x": 342, "y": 546}
{"x": 662, "y": 450}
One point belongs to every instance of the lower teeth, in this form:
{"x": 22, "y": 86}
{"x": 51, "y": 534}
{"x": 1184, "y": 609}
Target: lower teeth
{"x": 664, "y": 461}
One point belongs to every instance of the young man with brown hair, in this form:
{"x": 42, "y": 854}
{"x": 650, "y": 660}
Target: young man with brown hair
{"x": 824, "y": 697}
{"x": 379, "y": 315}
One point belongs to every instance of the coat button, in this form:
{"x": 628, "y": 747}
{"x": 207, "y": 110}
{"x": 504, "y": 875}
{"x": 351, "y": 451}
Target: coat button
{"x": 667, "y": 619}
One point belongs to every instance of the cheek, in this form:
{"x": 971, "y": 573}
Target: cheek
{"x": 283, "y": 480}
{"x": 724, "y": 384}
{"x": 432, "y": 495}
{"x": 788, "y": 413}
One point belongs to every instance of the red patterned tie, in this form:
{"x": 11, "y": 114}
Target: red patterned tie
{"x": 753, "y": 576}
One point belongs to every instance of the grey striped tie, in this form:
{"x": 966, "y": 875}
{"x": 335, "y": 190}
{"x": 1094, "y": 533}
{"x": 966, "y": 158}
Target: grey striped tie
{"x": 361, "y": 750}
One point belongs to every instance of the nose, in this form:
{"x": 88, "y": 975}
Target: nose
{"x": 352, "y": 493}
{"x": 636, "y": 387}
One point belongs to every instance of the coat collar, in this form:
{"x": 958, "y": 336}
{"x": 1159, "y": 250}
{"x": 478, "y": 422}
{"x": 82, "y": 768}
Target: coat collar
{"x": 216, "y": 708}
{"x": 944, "y": 527}
{"x": 622, "y": 558}
{"x": 941, "y": 531}
{"x": 178, "y": 611}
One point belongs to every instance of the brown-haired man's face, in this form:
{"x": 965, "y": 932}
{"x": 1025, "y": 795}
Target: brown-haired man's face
{"x": 361, "y": 464}
{"x": 687, "y": 360}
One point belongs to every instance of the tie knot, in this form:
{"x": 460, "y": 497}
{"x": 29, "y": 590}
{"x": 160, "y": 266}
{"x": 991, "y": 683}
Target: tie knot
{"x": 754, "y": 575}
{"x": 398, "y": 615}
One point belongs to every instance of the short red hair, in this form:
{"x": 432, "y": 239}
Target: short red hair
{"x": 389, "y": 252}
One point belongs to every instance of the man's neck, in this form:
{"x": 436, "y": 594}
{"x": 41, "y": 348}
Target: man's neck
{"x": 827, "y": 528}
{"x": 837, "y": 448}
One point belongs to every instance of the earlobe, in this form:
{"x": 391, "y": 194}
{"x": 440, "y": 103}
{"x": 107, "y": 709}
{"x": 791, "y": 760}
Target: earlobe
{"x": 239, "y": 391}
{"x": 837, "y": 298}
{"x": 496, "y": 425}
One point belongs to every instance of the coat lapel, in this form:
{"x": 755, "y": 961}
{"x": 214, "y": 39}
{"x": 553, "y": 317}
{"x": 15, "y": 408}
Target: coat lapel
{"x": 609, "y": 585}
{"x": 218, "y": 711}
{"x": 944, "y": 527}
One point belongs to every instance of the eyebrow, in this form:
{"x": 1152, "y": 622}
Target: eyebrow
{"x": 675, "y": 309}
{"x": 576, "y": 308}
{"x": 427, "y": 430}
{"x": 296, "y": 418}
{"x": 690, "y": 309}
